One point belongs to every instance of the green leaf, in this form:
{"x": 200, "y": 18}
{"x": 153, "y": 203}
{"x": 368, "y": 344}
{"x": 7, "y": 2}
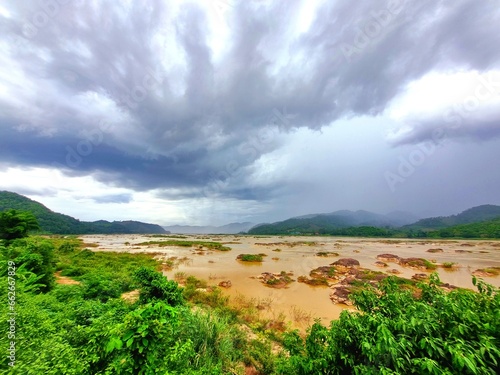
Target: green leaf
{"x": 130, "y": 342}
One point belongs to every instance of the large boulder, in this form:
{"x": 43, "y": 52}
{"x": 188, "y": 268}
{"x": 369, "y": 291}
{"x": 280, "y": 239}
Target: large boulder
{"x": 345, "y": 264}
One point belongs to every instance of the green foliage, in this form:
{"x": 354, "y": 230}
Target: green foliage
{"x": 65, "y": 332}
{"x": 85, "y": 329}
{"x": 145, "y": 342}
{"x": 154, "y": 286}
{"x": 97, "y": 287}
{"x": 16, "y": 224}
{"x": 438, "y": 333}
{"x": 34, "y": 255}
{"x": 112, "y": 272}
{"x": 250, "y": 257}
{"x": 486, "y": 229}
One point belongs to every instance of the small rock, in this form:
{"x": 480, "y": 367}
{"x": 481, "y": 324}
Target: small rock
{"x": 419, "y": 276}
{"x": 225, "y": 284}
{"x": 388, "y": 258}
{"x": 394, "y": 271}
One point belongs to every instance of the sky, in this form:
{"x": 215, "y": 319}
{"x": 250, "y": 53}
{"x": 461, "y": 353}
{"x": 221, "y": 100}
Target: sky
{"x": 207, "y": 112}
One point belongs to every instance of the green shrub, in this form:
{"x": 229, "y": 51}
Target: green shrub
{"x": 67, "y": 247}
{"x": 97, "y": 287}
{"x": 395, "y": 333}
{"x": 37, "y": 256}
{"x": 154, "y": 286}
{"x": 250, "y": 257}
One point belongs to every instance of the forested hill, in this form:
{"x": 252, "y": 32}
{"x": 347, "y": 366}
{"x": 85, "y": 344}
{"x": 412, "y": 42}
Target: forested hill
{"x": 53, "y": 222}
{"x": 472, "y": 215}
{"x": 478, "y": 222}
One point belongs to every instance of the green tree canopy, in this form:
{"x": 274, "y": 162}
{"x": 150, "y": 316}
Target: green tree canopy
{"x": 16, "y": 224}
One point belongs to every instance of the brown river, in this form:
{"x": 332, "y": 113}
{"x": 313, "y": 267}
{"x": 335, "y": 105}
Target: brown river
{"x": 298, "y": 298}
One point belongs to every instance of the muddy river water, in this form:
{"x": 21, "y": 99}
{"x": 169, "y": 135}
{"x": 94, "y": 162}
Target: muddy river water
{"x": 300, "y": 259}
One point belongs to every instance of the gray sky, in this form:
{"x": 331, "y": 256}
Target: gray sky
{"x": 212, "y": 111}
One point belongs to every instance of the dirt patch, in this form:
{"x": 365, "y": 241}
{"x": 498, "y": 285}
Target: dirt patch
{"x": 132, "y": 296}
{"x": 64, "y": 280}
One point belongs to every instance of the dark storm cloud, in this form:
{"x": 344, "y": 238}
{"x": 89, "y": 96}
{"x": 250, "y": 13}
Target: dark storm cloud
{"x": 134, "y": 95}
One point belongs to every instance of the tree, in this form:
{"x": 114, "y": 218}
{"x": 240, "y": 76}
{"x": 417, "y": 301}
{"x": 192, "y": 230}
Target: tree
{"x": 16, "y": 224}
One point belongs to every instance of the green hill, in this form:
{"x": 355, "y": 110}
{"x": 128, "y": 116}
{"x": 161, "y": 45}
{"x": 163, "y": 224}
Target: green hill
{"x": 477, "y": 222}
{"x": 332, "y": 223}
{"x": 53, "y": 222}
{"x": 484, "y": 229}
{"x": 472, "y": 215}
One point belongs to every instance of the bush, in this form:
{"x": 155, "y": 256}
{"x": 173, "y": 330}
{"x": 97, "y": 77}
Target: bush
{"x": 96, "y": 287}
{"x": 439, "y": 333}
{"x": 154, "y": 286}
{"x": 16, "y": 224}
{"x": 250, "y": 257}
{"x": 36, "y": 256}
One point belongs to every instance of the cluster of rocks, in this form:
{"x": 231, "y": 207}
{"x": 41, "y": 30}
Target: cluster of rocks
{"x": 349, "y": 276}
{"x": 487, "y": 272}
{"x": 345, "y": 276}
{"x": 276, "y": 280}
{"x": 417, "y": 263}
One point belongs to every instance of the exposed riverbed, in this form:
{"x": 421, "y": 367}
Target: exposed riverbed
{"x": 298, "y": 256}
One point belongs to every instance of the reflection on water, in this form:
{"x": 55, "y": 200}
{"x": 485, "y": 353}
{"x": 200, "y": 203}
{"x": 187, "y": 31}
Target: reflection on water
{"x": 300, "y": 259}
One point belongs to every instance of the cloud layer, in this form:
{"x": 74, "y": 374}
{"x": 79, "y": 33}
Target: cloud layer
{"x": 192, "y": 98}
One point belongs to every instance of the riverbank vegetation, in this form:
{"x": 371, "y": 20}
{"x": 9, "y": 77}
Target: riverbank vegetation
{"x": 86, "y": 326}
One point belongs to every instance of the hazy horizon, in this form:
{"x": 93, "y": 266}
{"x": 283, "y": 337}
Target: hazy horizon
{"x": 209, "y": 112}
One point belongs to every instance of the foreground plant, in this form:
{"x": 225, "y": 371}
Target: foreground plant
{"x": 395, "y": 333}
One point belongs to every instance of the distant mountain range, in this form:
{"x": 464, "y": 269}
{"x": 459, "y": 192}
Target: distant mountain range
{"x": 394, "y": 224}
{"x": 53, "y": 222}
{"x": 477, "y": 222}
{"x": 335, "y": 220}
{"x": 472, "y": 215}
{"x": 232, "y": 228}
